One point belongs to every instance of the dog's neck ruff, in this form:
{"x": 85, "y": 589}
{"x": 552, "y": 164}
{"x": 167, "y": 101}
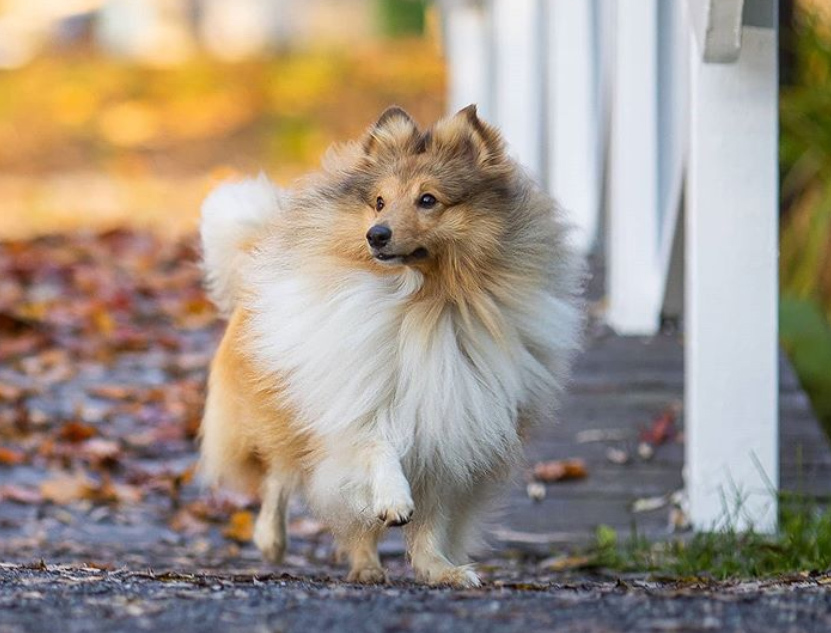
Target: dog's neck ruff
{"x": 358, "y": 352}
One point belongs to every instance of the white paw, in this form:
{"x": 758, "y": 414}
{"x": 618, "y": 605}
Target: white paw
{"x": 395, "y": 512}
{"x": 367, "y": 575}
{"x": 270, "y": 542}
{"x": 460, "y": 577}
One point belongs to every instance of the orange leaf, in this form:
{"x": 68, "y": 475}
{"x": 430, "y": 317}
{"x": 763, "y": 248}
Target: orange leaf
{"x": 76, "y": 432}
{"x": 65, "y": 489}
{"x": 560, "y": 470}
{"x": 10, "y": 457}
{"x": 241, "y": 527}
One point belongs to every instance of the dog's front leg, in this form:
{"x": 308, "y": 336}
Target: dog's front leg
{"x": 392, "y": 501}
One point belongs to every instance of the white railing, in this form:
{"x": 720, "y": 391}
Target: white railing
{"x": 657, "y": 119}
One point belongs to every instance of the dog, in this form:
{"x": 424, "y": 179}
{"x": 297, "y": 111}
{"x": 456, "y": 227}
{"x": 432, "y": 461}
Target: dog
{"x": 397, "y": 323}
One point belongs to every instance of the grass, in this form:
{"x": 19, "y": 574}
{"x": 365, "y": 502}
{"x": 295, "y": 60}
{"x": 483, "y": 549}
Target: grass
{"x": 803, "y": 544}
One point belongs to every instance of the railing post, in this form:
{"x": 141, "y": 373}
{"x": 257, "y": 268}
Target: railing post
{"x": 731, "y": 287}
{"x": 468, "y": 51}
{"x": 518, "y": 65}
{"x": 633, "y": 272}
{"x": 573, "y": 113}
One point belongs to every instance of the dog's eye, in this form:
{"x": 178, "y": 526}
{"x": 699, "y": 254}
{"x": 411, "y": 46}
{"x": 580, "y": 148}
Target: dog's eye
{"x": 379, "y": 203}
{"x": 427, "y": 201}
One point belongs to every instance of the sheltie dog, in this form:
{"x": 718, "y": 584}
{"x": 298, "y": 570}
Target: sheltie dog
{"x": 396, "y": 324}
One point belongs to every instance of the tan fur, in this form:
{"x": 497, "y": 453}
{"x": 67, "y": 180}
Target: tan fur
{"x": 243, "y": 433}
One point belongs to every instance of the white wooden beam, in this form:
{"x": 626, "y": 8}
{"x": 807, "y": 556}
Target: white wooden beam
{"x": 633, "y": 271}
{"x": 518, "y": 73}
{"x": 718, "y": 28}
{"x": 467, "y": 48}
{"x": 731, "y": 292}
{"x": 573, "y": 115}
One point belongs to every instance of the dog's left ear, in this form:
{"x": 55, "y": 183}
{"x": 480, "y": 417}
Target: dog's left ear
{"x": 394, "y": 128}
{"x": 465, "y": 132}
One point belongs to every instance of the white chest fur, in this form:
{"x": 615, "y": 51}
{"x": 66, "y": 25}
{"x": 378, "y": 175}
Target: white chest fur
{"x": 356, "y": 355}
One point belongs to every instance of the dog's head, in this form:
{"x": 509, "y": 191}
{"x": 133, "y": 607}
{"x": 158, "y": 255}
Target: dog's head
{"x": 433, "y": 195}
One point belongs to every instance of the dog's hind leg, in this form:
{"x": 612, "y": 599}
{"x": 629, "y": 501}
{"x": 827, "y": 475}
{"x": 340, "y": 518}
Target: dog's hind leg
{"x": 270, "y": 530}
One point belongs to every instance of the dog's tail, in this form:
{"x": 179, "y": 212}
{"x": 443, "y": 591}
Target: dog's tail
{"x": 233, "y": 216}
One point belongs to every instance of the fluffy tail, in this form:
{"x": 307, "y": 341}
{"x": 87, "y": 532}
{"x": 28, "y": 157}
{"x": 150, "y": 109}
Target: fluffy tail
{"x": 233, "y": 215}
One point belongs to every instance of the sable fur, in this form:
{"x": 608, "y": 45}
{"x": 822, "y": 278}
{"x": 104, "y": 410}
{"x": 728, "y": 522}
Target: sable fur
{"x": 387, "y": 392}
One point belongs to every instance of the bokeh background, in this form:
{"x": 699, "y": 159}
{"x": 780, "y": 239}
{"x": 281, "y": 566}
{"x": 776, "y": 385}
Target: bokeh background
{"x": 124, "y": 112}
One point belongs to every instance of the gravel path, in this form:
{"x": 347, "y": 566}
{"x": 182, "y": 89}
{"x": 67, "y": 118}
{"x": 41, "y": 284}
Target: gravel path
{"x": 38, "y": 598}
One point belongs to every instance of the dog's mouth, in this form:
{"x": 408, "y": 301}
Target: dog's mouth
{"x": 402, "y": 258}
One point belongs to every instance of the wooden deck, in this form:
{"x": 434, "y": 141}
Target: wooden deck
{"x": 621, "y": 385}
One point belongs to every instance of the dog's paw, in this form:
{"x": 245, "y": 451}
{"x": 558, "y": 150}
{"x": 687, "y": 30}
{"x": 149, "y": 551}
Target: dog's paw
{"x": 270, "y": 542}
{"x": 367, "y": 576}
{"x": 461, "y": 577}
{"x": 395, "y": 513}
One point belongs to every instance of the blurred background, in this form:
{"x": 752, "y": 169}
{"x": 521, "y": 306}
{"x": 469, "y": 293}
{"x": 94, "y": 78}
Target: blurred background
{"x": 115, "y": 111}
{"x": 124, "y": 112}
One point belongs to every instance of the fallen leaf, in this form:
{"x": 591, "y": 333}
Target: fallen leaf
{"x": 241, "y": 527}
{"x": 648, "y": 504}
{"x": 11, "y": 457}
{"x": 662, "y": 428}
{"x": 565, "y": 563}
{"x": 19, "y": 494}
{"x": 560, "y": 470}
{"x": 76, "y": 431}
{"x": 617, "y": 456}
{"x": 100, "y": 452}
{"x": 65, "y": 489}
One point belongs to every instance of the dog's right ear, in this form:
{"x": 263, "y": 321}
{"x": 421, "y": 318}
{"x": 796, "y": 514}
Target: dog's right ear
{"x": 394, "y": 128}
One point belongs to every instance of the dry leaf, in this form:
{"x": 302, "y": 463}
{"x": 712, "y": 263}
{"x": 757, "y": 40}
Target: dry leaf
{"x": 100, "y": 451}
{"x": 11, "y": 457}
{"x": 19, "y": 494}
{"x": 65, "y": 489}
{"x": 565, "y": 563}
{"x": 560, "y": 470}
{"x": 76, "y": 432}
{"x": 648, "y": 504}
{"x": 617, "y": 455}
{"x": 241, "y": 527}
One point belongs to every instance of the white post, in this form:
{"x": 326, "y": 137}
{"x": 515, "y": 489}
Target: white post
{"x": 518, "y": 66}
{"x": 731, "y": 290}
{"x": 467, "y": 51}
{"x": 633, "y": 271}
{"x": 573, "y": 116}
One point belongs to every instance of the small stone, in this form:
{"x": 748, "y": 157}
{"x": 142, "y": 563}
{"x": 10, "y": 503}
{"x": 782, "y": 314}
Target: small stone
{"x": 536, "y": 491}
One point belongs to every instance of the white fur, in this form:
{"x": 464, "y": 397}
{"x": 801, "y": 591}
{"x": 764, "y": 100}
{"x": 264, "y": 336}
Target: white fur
{"x": 359, "y": 366}
{"x": 233, "y": 214}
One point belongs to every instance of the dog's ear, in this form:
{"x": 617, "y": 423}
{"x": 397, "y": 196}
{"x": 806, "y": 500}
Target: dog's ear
{"x": 465, "y": 132}
{"x": 394, "y": 128}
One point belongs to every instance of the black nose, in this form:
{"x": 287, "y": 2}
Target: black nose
{"x": 378, "y": 236}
